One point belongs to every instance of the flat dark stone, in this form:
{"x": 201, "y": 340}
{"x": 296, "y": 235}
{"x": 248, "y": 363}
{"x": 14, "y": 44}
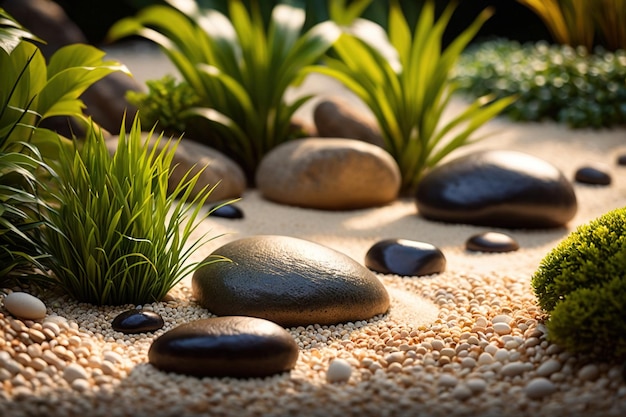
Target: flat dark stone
{"x": 592, "y": 175}
{"x": 240, "y": 347}
{"x": 289, "y": 281}
{"x": 228, "y": 211}
{"x": 405, "y": 257}
{"x": 491, "y": 242}
{"x": 137, "y": 321}
{"x": 497, "y": 189}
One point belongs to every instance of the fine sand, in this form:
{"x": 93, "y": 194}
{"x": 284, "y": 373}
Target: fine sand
{"x": 435, "y": 353}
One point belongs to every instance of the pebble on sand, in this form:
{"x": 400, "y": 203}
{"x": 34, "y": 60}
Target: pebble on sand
{"x": 539, "y": 387}
{"x": 25, "y": 306}
{"x": 339, "y": 370}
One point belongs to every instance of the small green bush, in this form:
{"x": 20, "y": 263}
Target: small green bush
{"x": 164, "y": 103}
{"x": 581, "y": 283}
{"x": 551, "y": 82}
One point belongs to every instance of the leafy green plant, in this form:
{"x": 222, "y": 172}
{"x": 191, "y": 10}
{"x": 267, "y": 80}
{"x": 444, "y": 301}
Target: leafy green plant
{"x": 117, "y": 236}
{"x": 577, "y": 22}
{"x": 409, "y": 91}
{"x": 164, "y": 103}
{"x": 31, "y": 91}
{"x": 552, "y": 82}
{"x": 581, "y": 283}
{"x": 239, "y": 66}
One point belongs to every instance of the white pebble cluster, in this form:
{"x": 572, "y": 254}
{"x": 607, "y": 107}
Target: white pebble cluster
{"x": 486, "y": 353}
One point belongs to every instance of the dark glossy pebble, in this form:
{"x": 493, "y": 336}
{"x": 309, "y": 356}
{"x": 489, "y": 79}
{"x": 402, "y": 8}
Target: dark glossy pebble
{"x": 491, "y": 242}
{"x": 290, "y": 281}
{"x": 497, "y": 189}
{"x": 621, "y": 159}
{"x": 405, "y": 257}
{"x": 234, "y": 346}
{"x": 592, "y": 175}
{"x": 229, "y": 211}
{"x": 137, "y": 321}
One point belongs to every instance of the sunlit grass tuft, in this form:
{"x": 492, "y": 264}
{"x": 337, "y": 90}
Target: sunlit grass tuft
{"x": 117, "y": 236}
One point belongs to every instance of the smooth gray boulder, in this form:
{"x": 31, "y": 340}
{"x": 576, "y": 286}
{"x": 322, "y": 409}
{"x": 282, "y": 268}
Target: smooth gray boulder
{"x": 290, "y": 281}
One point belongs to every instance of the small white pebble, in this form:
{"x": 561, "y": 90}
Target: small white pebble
{"x": 589, "y": 372}
{"x": 461, "y": 392}
{"x": 549, "y": 367}
{"x": 395, "y": 357}
{"x": 501, "y": 328}
{"x": 25, "y": 306}
{"x": 80, "y": 385}
{"x": 485, "y": 359}
{"x": 476, "y": 384}
{"x": 513, "y": 369}
{"x": 73, "y": 372}
{"x": 502, "y": 318}
{"x": 539, "y": 388}
{"x": 448, "y": 380}
{"x": 339, "y": 370}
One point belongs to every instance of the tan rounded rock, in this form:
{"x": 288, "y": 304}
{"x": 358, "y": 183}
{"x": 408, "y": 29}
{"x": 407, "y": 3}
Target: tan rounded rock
{"x": 329, "y": 174}
{"x": 25, "y": 306}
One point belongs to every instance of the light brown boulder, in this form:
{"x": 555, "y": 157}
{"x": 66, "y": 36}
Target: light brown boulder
{"x": 337, "y": 118}
{"x": 330, "y": 174}
{"x": 219, "y": 168}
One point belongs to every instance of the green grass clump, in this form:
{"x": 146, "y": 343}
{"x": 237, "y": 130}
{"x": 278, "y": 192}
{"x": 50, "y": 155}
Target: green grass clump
{"x": 117, "y": 236}
{"x": 552, "y": 82}
{"x": 165, "y": 103}
{"x": 409, "y": 91}
{"x": 582, "y": 285}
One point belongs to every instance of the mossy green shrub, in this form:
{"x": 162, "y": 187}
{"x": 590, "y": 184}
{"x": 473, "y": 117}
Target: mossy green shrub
{"x": 164, "y": 103}
{"x": 552, "y": 82}
{"x": 581, "y": 283}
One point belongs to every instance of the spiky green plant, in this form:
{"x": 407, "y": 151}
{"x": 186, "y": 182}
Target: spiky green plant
{"x": 117, "y": 236}
{"x": 577, "y": 22}
{"x": 409, "y": 91}
{"x": 240, "y": 66}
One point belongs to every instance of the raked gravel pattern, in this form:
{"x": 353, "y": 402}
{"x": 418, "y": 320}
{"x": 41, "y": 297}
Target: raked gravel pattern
{"x": 484, "y": 354}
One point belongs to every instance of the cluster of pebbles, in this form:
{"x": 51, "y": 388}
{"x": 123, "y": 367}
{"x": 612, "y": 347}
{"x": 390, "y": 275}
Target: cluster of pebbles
{"x": 485, "y": 354}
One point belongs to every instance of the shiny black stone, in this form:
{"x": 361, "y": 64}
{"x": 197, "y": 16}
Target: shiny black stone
{"x": 240, "y": 347}
{"x": 491, "y": 242}
{"x": 229, "y": 211}
{"x": 621, "y": 159}
{"x": 405, "y": 257}
{"x": 497, "y": 189}
{"x": 592, "y": 175}
{"x": 137, "y": 321}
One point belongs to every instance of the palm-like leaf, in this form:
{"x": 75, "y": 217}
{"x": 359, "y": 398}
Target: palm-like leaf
{"x": 239, "y": 65}
{"x": 409, "y": 93}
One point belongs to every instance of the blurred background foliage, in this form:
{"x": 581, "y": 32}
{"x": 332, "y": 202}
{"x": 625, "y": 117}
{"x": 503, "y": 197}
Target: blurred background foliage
{"x": 512, "y": 19}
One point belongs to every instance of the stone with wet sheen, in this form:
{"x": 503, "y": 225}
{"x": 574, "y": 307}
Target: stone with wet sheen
{"x": 491, "y": 242}
{"x": 405, "y": 257}
{"x": 592, "y": 175}
{"x": 499, "y": 189}
{"x": 240, "y": 347}
{"x": 137, "y": 321}
{"x": 228, "y": 211}
{"x": 290, "y": 281}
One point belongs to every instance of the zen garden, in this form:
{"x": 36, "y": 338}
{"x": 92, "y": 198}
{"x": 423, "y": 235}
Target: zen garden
{"x": 313, "y": 208}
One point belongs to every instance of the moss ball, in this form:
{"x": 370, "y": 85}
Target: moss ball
{"x": 582, "y": 284}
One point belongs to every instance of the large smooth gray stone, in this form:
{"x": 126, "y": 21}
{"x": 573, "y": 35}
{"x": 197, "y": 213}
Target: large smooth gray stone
{"x": 498, "y": 189}
{"x": 289, "y": 281}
